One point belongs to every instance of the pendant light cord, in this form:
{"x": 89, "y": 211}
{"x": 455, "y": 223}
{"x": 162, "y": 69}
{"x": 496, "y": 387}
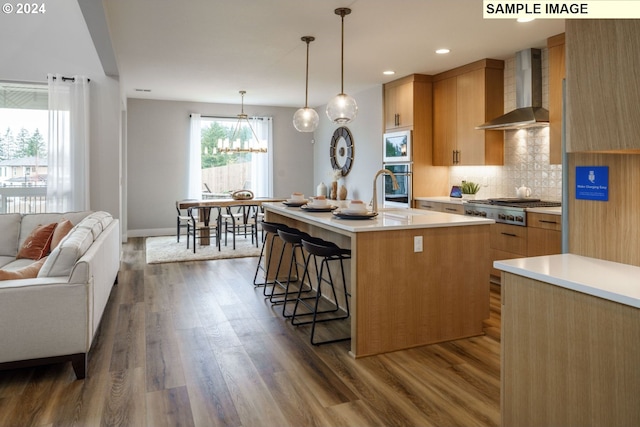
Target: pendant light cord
{"x": 307, "y": 39}
{"x": 342, "y": 11}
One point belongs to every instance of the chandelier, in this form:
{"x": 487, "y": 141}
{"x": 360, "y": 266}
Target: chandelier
{"x": 235, "y": 145}
{"x": 342, "y": 109}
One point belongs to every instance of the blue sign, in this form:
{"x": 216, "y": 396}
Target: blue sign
{"x": 592, "y": 183}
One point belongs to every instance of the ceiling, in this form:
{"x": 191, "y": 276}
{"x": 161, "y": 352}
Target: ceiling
{"x": 209, "y": 50}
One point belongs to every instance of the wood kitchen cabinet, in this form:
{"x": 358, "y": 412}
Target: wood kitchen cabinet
{"x": 541, "y": 236}
{"x": 464, "y": 98}
{"x": 602, "y": 100}
{"x": 556, "y": 50}
{"x": 408, "y": 105}
{"x": 544, "y": 235}
{"x": 452, "y": 208}
{"x": 399, "y": 99}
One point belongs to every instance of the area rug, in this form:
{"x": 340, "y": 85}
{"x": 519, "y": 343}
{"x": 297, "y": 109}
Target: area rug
{"x": 166, "y": 249}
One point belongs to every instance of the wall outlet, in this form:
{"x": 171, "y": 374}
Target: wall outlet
{"x": 417, "y": 243}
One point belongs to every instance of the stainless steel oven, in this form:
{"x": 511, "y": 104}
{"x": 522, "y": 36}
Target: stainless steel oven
{"x": 402, "y": 196}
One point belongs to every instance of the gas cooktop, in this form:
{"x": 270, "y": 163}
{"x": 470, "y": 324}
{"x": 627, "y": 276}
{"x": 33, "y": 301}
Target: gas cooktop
{"x": 517, "y": 203}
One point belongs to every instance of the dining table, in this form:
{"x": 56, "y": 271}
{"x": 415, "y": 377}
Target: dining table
{"x": 205, "y": 205}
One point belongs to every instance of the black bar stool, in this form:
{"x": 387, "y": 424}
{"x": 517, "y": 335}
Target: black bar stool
{"x": 292, "y": 239}
{"x": 328, "y": 252}
{"x": 271, "y": 230}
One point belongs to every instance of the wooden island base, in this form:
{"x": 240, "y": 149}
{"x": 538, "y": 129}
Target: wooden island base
{"x": 403, "y": 299}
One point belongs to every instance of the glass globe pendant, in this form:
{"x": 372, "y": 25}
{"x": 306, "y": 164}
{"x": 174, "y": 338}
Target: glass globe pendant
{"x": 306, "y": 119}
{"x": 342, "y": 109}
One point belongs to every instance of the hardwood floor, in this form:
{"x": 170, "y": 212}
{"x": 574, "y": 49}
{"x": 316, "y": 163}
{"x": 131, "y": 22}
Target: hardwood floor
{"x": 194, "y": 344}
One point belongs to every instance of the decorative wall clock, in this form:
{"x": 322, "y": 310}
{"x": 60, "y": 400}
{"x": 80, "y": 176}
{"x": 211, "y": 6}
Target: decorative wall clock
{"x": 341, "y": 150}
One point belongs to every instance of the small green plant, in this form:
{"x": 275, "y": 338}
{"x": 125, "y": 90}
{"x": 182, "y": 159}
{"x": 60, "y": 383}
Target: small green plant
{"x": 469, "y": 187}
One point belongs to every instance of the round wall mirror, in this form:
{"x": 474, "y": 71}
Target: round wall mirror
{"x": 341, "y": 150}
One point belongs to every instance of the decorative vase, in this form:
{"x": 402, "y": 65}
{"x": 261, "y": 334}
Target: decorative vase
{"x": 334, "y": 190}
{"x": 321, "y": 190}
{"x": 342, "y": 194}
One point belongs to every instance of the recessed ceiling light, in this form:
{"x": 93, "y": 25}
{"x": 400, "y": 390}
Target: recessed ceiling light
{"x": 442, "y": 51}
{"x": 526, "y": 19}
{"x": 142, "y": 90}
{"x": 388, "y": 73}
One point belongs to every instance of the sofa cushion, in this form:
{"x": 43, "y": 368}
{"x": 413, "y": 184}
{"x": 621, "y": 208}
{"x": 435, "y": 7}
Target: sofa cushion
{"x": 28, "y": 272}
{"x": 31, "y": 221}
{"x": 62, "y": 259}
{"x": 10, "y": 232}
{"x": 38, "y": 243}
{"x": 63, "y": 228}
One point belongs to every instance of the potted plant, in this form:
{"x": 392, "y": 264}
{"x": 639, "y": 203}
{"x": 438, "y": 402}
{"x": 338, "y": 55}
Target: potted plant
{"x": 469, "y": 189}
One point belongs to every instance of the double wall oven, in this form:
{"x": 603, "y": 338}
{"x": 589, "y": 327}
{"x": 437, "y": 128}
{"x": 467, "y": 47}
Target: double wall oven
{"x": 397, "y": 158}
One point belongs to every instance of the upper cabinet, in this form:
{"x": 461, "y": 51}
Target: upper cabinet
{"x": 403, "y": 99}
{"x": 464, "y": 98}
{"x": 408, "y": 105}
{"x": 555, "y": 45}
{"x": 602, "y": 107}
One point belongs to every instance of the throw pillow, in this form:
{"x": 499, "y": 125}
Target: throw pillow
{"x": 28, "y": 272}
{"x": 63, "y": 228}
{"x": 38, "y": 243}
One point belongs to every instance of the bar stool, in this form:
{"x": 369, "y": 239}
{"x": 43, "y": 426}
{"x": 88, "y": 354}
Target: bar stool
{"x": 328, "y": 252}
{"x": 271, "y": 230}
{"x": 292, "y": 239}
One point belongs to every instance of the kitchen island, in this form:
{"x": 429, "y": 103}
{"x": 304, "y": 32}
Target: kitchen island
{"x": 404, "y": 296}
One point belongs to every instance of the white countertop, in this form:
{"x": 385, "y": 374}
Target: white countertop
{"x": 442, "y": 199}
{"x": 550, "y": 211}
{"x": 387, "y": 219}
{"x": 604, "y": 279}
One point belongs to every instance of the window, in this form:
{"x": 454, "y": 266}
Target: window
{"x": 23, "y": 147}
{"x": 234, "y": 156}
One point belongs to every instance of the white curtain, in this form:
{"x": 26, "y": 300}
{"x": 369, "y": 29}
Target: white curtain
{"x": 194, "y": 168}
{"x": 68, "y": 156}
{"x": 260, "y": 176}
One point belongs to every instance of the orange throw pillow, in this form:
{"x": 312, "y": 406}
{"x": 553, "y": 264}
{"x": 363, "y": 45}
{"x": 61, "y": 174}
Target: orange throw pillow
{"x": 28, "y": 272}
{"x": 38, "y": 243}
{"x": 63, "y": 228}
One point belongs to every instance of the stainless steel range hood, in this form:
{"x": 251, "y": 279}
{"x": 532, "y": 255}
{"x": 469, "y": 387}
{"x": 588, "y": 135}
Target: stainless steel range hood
{"x": 529, "y": 111}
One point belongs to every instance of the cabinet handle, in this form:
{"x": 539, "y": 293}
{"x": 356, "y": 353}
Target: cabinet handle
{"x": 509, "y": 234}
{"x": 457, "y": 156}
{"x": 396, "y": 118}
{"x": 547, "y": 222}
{"x": 450, "y": 209}
{"x": 453, "y": 157}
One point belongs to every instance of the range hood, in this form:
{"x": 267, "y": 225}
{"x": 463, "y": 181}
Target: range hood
{"x": 529, "y": 111}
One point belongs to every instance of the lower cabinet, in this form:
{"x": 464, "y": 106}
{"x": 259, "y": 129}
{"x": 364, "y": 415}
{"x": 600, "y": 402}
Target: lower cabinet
{"x": 541, "y": 236}
{"x": 452, "y": 208}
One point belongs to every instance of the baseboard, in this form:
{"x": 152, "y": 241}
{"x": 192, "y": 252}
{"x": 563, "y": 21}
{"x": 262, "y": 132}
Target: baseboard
{"x": 151, "y": 232}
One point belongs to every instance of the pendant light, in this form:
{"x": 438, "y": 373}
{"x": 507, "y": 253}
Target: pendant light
{"x": 342, "y": 109}
{"x": 306, "y": 119}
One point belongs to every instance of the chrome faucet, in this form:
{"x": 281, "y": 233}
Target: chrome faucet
{"x": 374, "y": 201}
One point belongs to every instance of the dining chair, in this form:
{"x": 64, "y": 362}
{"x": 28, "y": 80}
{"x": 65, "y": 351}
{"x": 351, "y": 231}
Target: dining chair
{"x": 182, "y": 221}
{"x": 240, "y": 220}
{"x": 201, "y": 227}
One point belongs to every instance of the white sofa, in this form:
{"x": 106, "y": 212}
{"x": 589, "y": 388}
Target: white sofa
{"x": 54, "y": 317}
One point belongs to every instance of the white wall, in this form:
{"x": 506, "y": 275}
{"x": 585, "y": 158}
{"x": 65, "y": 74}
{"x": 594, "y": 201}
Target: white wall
{"x": 58, "y": 42}
{"x": 367, "y": 130}
{"x": 157, "y": 158}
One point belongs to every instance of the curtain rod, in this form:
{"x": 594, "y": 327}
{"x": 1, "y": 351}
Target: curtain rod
{"x": 71, "y": 79}
{"x": 226, "y": 117}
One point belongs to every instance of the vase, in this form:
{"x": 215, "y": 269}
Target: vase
{"x": 334, "y": 190}
{"x": 321, "y": 190}
{"x": 342, "y": 194}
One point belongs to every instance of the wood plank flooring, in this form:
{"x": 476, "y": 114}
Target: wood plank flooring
{"x": 195, "y": 344}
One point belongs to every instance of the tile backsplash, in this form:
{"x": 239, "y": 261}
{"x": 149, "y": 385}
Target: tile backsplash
{"x": 526, "y": 154}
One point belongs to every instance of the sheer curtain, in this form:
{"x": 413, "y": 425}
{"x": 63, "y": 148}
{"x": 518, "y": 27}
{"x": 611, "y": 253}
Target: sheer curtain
{"x": 261, "y": 180}
{"x": 194, "y": 168}
{"x": 68, "y": 156}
